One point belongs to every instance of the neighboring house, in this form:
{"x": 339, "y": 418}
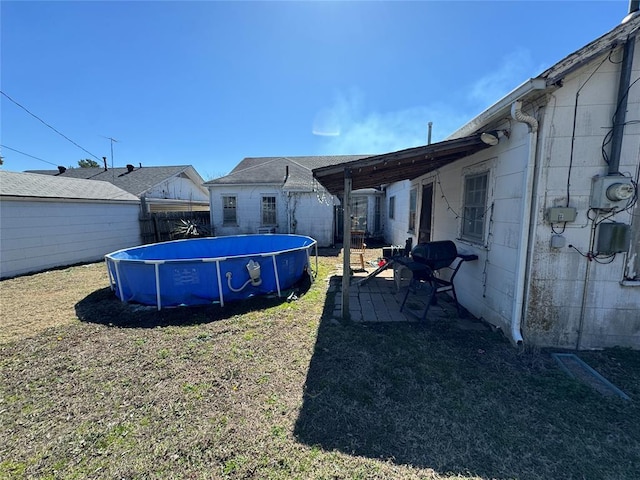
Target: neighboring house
{"x": 50, "y": 221}
{"x": 279, "y": 194}
{"x": 164, "y": 189}
{"x": 547, "y": 200}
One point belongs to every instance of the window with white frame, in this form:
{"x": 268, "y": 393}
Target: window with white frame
{"x": 229, "y": 210}
{"x": 413, "y": 200}
{"x": 392, "y": 207}
{"x": 269, "y": 211}
{"x": 474, "y": 206}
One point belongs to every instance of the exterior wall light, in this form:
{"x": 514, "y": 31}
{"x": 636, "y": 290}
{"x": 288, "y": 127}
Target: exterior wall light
{"x": 493, "y": 137}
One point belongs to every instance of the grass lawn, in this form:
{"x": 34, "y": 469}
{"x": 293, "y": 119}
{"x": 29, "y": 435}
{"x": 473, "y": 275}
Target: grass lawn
{"x": 93, "y": 388}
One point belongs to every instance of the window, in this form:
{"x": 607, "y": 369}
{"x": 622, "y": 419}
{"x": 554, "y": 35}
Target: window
{"x": 269, "y": 211}
{"x": 229, "y": 211}
{"x": 474, "y": 207}
{"x": 392, "y": 207}
{"x": 413, "y": 197}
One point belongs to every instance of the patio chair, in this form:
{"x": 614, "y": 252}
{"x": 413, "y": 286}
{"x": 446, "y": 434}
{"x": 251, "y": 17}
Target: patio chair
{"x": 428, "y": 262}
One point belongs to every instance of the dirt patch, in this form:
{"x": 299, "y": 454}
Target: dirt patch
{"x": 33, "y": 303}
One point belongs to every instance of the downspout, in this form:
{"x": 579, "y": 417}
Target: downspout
{"x": 289, "y": 212}
{"x": 526, "y": 214}
{"x": 288, "y": 194}
{"x": 621, "y": 111}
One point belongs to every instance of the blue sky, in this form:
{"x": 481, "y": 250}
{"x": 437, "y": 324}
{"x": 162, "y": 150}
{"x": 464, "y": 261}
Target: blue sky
{"x": 208, "y": 83}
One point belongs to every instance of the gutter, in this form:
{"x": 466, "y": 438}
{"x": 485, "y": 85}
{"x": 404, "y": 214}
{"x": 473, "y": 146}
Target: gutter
{"x": 499, "y": 109}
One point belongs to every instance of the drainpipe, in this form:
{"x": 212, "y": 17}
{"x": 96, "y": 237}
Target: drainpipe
{"x": 621, "y": 112}
{"x": 526, "y": 213}
{"x": 288, "y": 212}
{"x": 288, "y": 194}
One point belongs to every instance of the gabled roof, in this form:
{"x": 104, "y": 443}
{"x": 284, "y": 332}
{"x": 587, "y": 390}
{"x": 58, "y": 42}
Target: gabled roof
{"x": 137, "y": 182}
{"x": 290, "y": 173}
{"x": 20, "y": 184}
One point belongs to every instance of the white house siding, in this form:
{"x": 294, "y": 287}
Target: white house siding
{"x": 563, "y": 308}
{"x": 248, "y": 209}
{"x": 395, "y": 229}
{"x": 41, "y": 234}
{"x": 312, "y": 216}
{"x": 485, "y": 286}
{"x": 179, "y": 188}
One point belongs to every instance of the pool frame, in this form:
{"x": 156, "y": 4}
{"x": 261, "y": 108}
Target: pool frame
{"x": 116, "y": 283}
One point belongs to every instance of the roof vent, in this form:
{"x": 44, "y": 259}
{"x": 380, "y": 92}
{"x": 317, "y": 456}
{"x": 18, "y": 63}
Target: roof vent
{"x": 61, "y": 169}
{"x": 130, "y": 168}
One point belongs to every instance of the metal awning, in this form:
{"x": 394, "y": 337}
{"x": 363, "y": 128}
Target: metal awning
{"x": 396, "y": 166}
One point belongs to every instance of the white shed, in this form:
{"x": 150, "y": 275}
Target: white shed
{"x": 48, "y": 221}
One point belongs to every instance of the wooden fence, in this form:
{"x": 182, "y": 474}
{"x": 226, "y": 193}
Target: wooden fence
{"x": 164, "y": 226}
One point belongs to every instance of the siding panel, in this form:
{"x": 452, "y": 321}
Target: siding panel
{"x": 37, "y": 235}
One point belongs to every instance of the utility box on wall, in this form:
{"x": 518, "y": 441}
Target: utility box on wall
{"x": 613, "y": 238}
{"x": 612, "y": 191}
{"x": 561, "y": 214}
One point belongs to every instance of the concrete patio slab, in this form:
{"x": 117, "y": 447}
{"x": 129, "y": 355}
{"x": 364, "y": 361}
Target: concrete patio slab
{"x": 378, "y": 300}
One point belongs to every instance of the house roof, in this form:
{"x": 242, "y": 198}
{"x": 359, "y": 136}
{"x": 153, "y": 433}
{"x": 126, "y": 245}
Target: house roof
{"x": 20, "y": 184}
{"x": 414, "y": 162}
{"x": 597, "y": 47}
{"x": 273, "y": 171}
{"x": 137, "y": 182}
{"x": 396, "y": 166}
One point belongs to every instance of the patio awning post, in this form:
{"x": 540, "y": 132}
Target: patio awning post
{"x": 346, "y": 244}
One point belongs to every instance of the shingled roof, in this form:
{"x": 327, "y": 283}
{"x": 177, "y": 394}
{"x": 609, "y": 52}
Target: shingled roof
{"x": 20, "y": 184}
{"x": 273, "y": 171}
{"x": 137, "y": 181}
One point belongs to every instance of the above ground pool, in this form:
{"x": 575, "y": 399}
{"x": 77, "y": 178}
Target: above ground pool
{"x": 209, "y": 270}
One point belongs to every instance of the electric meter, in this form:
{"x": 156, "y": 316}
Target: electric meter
{"x": 611, "y": 192}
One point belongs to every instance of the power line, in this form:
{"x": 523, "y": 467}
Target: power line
{"x": 26, "y": 154}
{"x": 45, "y": 123}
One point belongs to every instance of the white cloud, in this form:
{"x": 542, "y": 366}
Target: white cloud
{"x": 346, "y": 127}
{"x": 353, "y": 130}
{"x": 514, "y": 68}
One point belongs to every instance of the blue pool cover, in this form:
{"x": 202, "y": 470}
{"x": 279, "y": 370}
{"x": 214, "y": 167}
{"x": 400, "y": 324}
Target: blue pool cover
{"x": 209, "y": 270}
